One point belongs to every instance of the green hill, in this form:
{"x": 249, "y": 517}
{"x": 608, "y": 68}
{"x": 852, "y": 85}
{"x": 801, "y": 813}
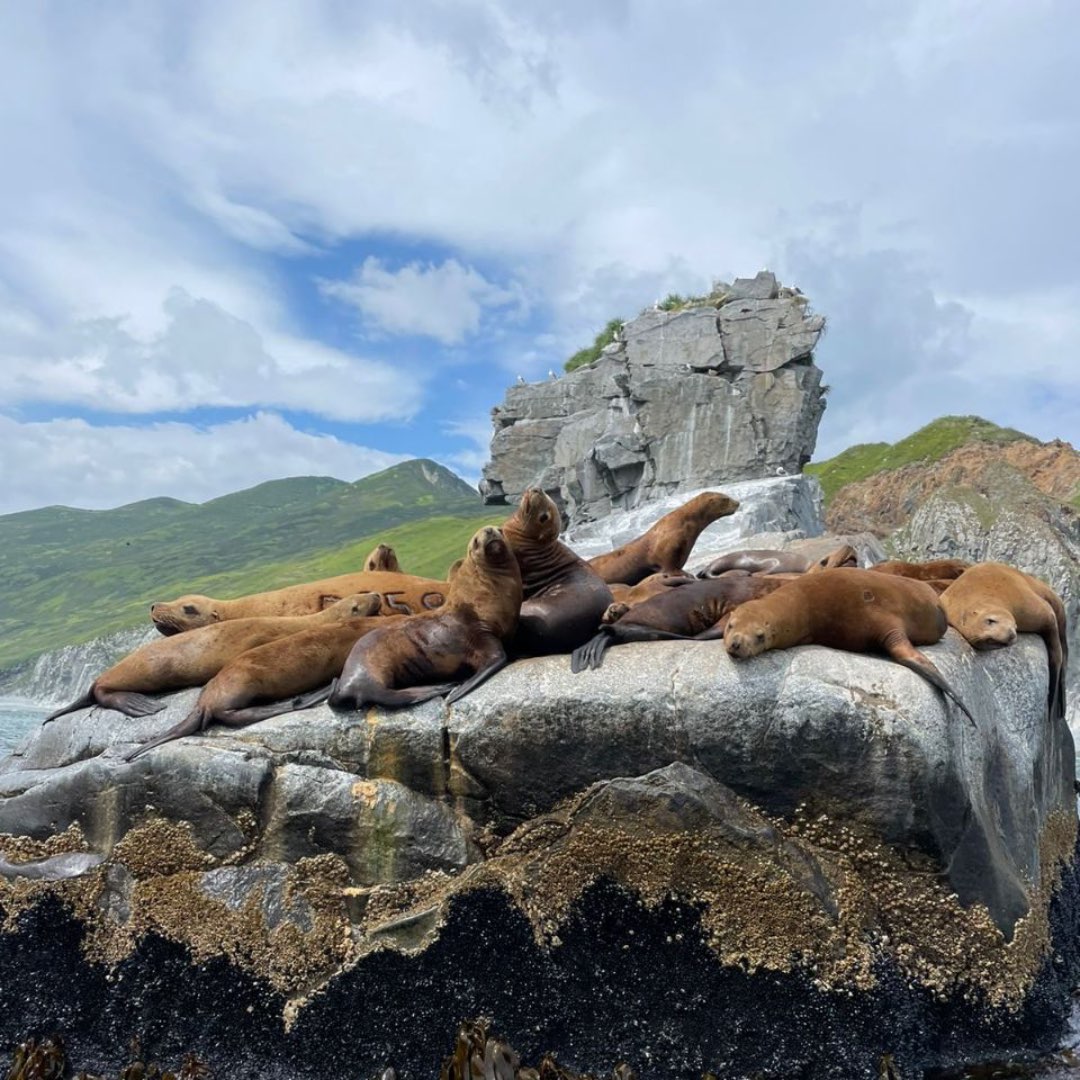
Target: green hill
{"x": 68, "y": 575}
{"x": 928, "y": 444}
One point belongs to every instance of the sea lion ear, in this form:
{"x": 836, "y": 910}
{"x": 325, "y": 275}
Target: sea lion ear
{"x": 215, "y": 614}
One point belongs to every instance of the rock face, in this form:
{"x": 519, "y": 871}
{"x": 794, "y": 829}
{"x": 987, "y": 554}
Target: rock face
{"x": 803, "y": 864}
{"x": 717, "y": 392}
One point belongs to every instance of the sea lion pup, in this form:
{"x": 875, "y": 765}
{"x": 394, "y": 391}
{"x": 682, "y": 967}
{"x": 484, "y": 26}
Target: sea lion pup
{"x": 428, "y": 655}
{"x": 383, "y": 558}
{"x": 646, "y": 589}
{"x": 402, "y": 594}
{"x": 175, "y": 663}
{"x": 935, "y": 570}
{"x": 768, "y": 561}
{"x": 667, "y": 545}
{"x": 990, "y": 603}
{"x": 281, "y": 676}
{"x": 855, "y": 610}
{"x": 698, "y": 610}
{"x": 564, "y": 596}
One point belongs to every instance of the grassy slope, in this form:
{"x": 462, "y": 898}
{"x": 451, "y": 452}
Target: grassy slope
{"x": 928, "y": 444}
{"x": 68, "y": 575}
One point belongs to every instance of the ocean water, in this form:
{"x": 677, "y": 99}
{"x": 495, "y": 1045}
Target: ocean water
{"x": 17, "y": 717}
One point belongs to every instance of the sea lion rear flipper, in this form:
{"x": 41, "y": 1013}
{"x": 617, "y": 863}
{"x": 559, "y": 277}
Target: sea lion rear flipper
{"x": 591, "y": 654}
{"x": 194, "y": 722}
{"x": 83, "y": 702}
{"x": 471, "y": 683}
{"x": 129, "y": 703}
{"x": 903, "y": 652}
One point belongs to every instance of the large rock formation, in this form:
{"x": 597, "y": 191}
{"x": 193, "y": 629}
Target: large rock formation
{"x": 805, "y": 864}
{"x": 715, "y": 392}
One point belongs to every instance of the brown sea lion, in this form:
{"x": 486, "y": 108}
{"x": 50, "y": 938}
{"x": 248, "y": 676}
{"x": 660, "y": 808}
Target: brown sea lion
{"x": 768, "y": 561}
{"x": 402, "y": 594}
{"x": 281, "y": 676}
{"x": 428, "y": 655}
{"x": 383, "y": 558}
{"x": 698, "y": 610}
{"x": 990, "y": 603}
{"x": 666, "y": 546}
{"x": 564, "y": 595}
{"x": 175, "y": 663}
{"x": 855, "y": 610}
{"x": 935, "y": 570}
{"x": 649, "y": 587}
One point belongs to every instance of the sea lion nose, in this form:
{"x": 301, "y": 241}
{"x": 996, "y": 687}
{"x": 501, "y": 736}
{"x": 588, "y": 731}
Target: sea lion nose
{"x": 154, "y": 605}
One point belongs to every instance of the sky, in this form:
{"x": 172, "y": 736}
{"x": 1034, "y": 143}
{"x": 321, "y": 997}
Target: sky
{"x": 250, "y": 240}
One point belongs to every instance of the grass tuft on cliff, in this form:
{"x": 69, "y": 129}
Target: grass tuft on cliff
{"x": 928, "y": 444}
{"x": 592, "y": 352}
{"x": 69, "y": 575}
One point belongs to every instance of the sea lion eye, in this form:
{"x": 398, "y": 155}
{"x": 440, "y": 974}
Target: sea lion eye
{"x": 545, "y": 516}
{"x": 760, "y": 635}
{"x": 190, "y": 609}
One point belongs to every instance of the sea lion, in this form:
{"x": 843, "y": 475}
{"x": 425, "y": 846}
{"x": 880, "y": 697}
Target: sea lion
{"x": 649, "y": 587}
{"x": 402, "y": 594}
{"x": 281, "y": 676}
{"x": 455, "y": 566}
{"x": 383, "y": 558}
{"x": 768, "y": 561}
{"x": 428, "y": 655}
{"x": 698, "y": 610}
{"x": 175, "y": 663}
{"x": 990, "y": 603}
{"x": 666, "y": 546}
{"x": 854, "y": 610}
{"x": 935, "y": 570}
{"x": 564, "y": 596}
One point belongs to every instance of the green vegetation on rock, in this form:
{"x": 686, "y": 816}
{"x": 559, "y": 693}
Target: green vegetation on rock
{"x": 592, "y": 352}
{"x": 70, "y": 575}
{"x": 928, "y": 444}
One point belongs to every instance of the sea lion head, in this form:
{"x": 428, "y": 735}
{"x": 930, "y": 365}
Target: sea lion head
{"x": 489, "y": 581}
{"x": 845, "y": 555}
{"x": 988, "y": 627}
{"x": 537, "y": 516}
{"x": 713, "y": 505}
{"x": 383, "y": 558}
{"x": 613, "y": 613}
{"x": 359, "y": 605}
{"x": 186, "y": 613}
{"x": 489, "y": 547}
{"x": 747, "y": 634}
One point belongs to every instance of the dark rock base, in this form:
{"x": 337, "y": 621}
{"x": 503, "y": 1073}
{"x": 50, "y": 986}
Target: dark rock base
{"x": 624, "y": 984}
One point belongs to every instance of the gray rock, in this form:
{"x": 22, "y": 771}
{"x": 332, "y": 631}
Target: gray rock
{"x": 683, "y": 400}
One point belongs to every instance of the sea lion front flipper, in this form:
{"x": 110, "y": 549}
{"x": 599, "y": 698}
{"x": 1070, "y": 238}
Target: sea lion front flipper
{"x": 716, "y": 631}
{"x": 482, "y": 675}
{"x": 901, "y": 650}
{"x": 128, "y": 702}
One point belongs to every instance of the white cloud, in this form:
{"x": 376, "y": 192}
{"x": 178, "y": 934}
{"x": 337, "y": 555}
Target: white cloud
{"x": 73, "y": 463}
{"x": 445, "y": 302}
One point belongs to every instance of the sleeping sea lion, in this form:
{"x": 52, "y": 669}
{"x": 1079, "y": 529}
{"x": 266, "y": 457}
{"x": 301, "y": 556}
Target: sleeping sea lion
{"x": 990, "y": 603}
{"x": 649, "y": 587}
{"x": 935, "y": 570}
{"x": 667, "y": 545}
{"x": 768, "y": 561}
{"x": 383, "y": 558}
{"x": 175, "y": 663}
{"x": 698, "y": 610}
{"x": 564, "y": 596}
{"x": 402, "y": 594}
{"x": 428, "y": 655}
{"x": 281, "y": 676}
{"x": 855, "y": 610}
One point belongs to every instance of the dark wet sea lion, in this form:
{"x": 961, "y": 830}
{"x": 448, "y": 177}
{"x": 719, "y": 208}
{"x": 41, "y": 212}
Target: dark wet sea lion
{"x": 402, "y": 594}
{"x": 564, "y": 595}
{"x": 769, "y": 561}
{"x": 429, "y": 655}
{"x": 382, "y": 558}
{"x": 854, "y": 610}
{"x": 935, "y": 570}
{"x": 191, "y": 659}
{"x": 666, "y": 546}
{"x": 990, "y": 603}
{"x": 649, "y": 587}
{"x": 281, "y": 676}
{"x": 698, "y": 610}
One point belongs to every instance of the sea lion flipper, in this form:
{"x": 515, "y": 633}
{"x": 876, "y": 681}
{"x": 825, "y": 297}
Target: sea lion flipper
{"x": 484, "y": 673}
{"x": 83, "y": 702}
{"x": 591, "y": 654}
{"x": 129, "y": 703}
{"x": 714, "y": 632}
{"x": 194, "y": 722}
{"x": 903, "y": 652}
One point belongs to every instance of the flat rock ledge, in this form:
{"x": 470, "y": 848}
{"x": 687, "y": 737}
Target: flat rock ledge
{"x": 804, "y": 865}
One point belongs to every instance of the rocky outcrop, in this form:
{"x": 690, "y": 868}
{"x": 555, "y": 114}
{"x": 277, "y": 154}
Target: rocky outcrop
{"x": 716, "y": 392}
{"x": 811, "y": 849}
